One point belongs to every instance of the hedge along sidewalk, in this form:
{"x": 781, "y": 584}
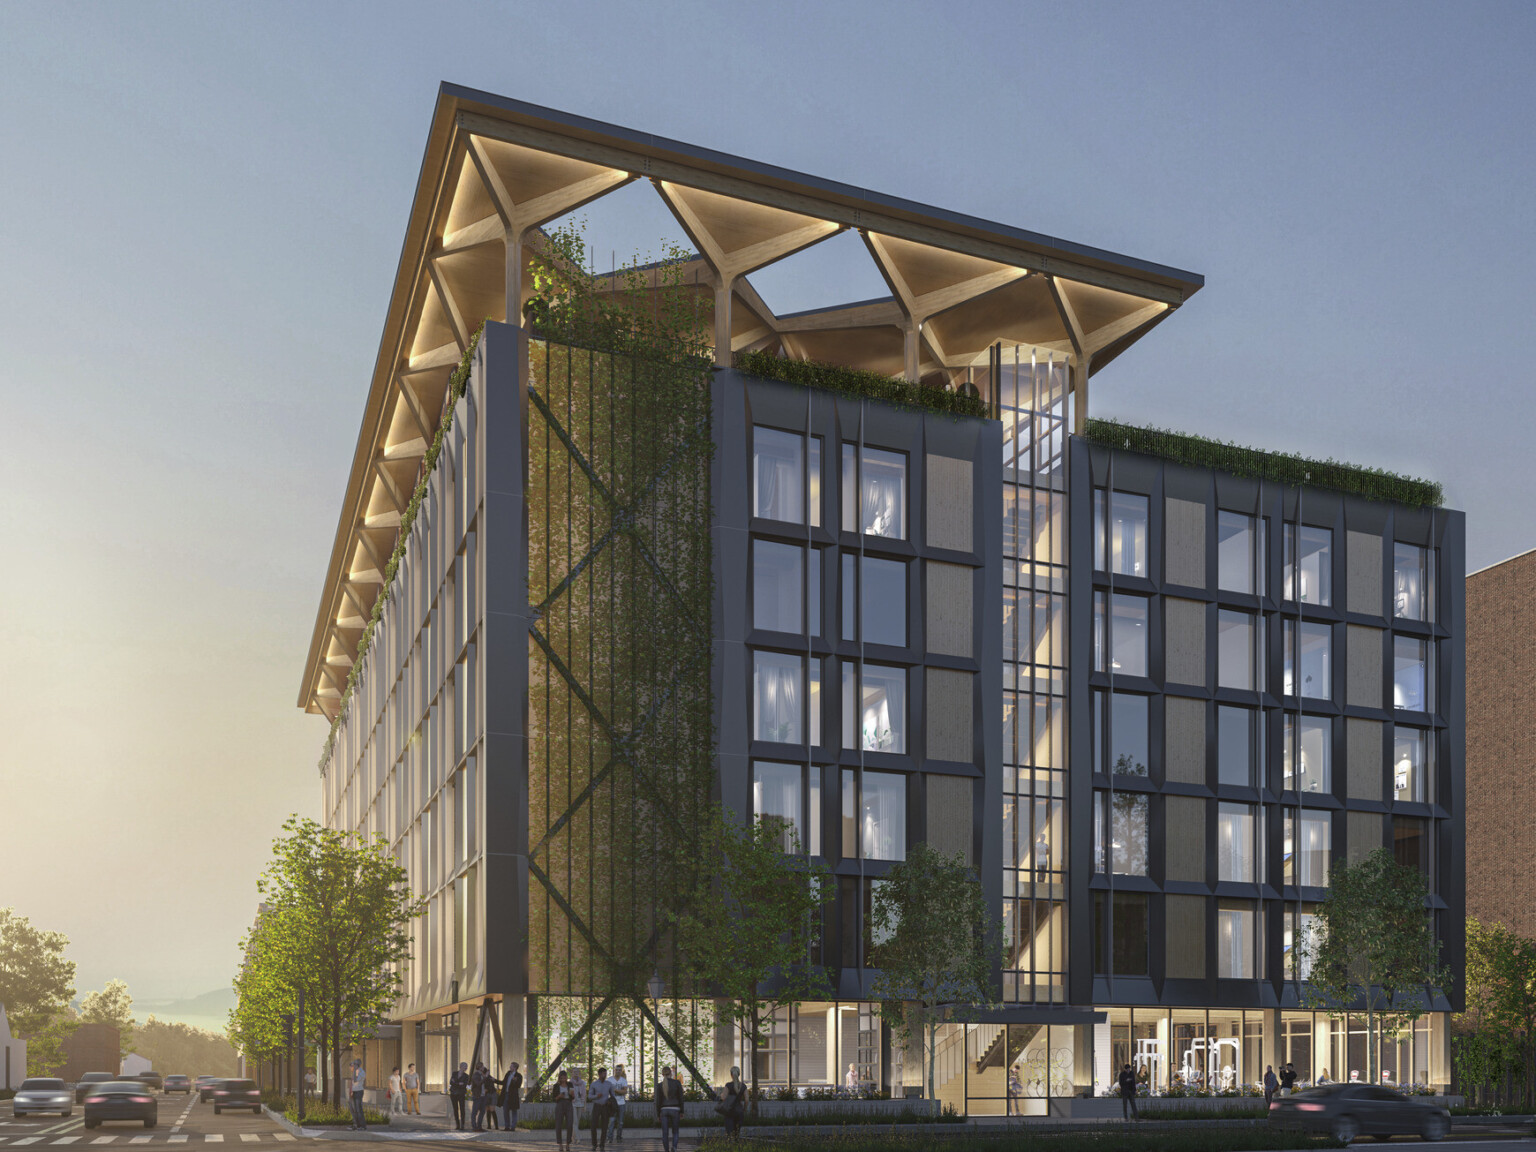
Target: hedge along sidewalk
{"x": 1118, "y": 1138}
{"x": 1199, "y": 452}
{"x": 858, "y": 382}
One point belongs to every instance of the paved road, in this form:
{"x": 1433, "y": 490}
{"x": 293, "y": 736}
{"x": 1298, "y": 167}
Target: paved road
{"x": 182, "y": 1121}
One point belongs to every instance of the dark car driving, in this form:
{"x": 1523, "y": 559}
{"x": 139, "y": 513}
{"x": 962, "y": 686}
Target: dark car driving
{"x": 1345, "y": 1111}
{"x": 120, "y": 1100}
{"x": 149, "y": 1077}
{"x": 204, "y": 1086}
{"x": 176, "y": 1082}
{"x": 89, "y": 1081}
{"x": 236, "y": 1094}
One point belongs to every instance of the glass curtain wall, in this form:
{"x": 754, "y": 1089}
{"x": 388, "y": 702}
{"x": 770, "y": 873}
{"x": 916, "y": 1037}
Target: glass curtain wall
{"x": 1032, "y": 390}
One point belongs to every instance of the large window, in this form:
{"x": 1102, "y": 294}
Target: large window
{"x": 1120, "y": 733}
{"x": 1412, "y": 760}
{"x": 1236, "y": 944}
{"x": 874, "y": 708}
{"x": 782, "y": 478}
{"x": 1237, "y": 843}
{"x": 776, "y": 796}
{"x": 1412, "y": 582}
{"x": 1120, "y": 533}
{"x": 1412, "y": 680}
{"x": 1239, "y": 553}
{"x": 778, "y": 700}
{"x": 1120, "y": 833}
{"x": 1120, "y": 634}
{"x": 874, "y": 492}
{"x": 880, "y": 598}
{"x": 1125, "y": 952}
{"x": 1312, "y": 844}
{"x": 1308, "y": 754}
{"x": 1410, "y": 842}
{"x": 1308, "y": 659}
{"x": 1300, "y": 942}
{"x": 1308, "y": 564}
{"x": 1239, "y": 751}
{"x": 874, "y": 815}
{"x": 1238, "y": 648}
{"x": 778, "y": 586}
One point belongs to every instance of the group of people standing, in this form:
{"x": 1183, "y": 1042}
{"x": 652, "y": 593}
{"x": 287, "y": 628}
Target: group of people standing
{"x": 487, "y": 1097}
{"x": 1283, "y": 1083}
{"x": 600, "y": 1104}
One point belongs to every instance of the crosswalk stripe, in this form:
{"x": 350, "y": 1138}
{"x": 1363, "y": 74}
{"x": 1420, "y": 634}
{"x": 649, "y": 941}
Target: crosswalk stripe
{"x": 182, "y": 1139}
{"x": 64, "y": 1140}
{"x": 250, "y": 1137}
{"x": 141, "y": 1140}
{"x": 28, "y": 1140}
{"x": 214, "y": 1138}
{"x": 104, "y": 1140}
{"x": 282, "y": 1135}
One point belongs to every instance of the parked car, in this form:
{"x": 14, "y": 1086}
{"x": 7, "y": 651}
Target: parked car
{"x": 120, "y": 1100}
{"x": 149, "y": 1077}
{"x": 236, "y": 1094}
{"x": 176, "y": 1082}
{"x": 43, "y": 1094}
{"x": 1345, "y": 1111}
{"x": 204, "y": 1086}
{"x": 88, "y": 1081}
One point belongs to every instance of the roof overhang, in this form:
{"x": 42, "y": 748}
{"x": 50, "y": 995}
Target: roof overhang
{"x": 495, "y": 170}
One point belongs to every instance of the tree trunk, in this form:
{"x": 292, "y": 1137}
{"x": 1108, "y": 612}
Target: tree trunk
{"x": 1370, "y": 1037}
{"x": 932, "y": 1033}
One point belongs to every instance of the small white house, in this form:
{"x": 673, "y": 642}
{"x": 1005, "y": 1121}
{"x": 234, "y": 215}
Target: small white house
{"x": 133, "y": 1064}
{"x": 13, "y": 1055}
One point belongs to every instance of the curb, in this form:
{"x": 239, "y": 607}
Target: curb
{"x": 283, "y": 1122}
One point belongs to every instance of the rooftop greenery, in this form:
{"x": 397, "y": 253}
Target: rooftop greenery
{"x": 1182, "y": 448}
{"x": 859, "y": 382}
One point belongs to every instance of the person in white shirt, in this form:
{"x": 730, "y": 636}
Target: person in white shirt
{"x": 411, "y": 1082}
{"x": 620, "y": 1084}
{"x": 396, "y": 1093}
{"x": 851, "y": 1081}
{"x": 600, "y": 1096}
{"x": 359, "y": 1083}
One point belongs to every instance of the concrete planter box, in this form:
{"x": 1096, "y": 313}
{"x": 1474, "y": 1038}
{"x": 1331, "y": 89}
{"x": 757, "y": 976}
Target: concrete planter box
{"x": 873, "y": 1110}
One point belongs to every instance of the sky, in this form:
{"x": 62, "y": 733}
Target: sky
{"x": 202, "y": 208}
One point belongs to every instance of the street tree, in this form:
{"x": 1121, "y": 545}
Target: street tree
{"x": 751, "y": 939}
{"x": 112, "y": 1006}
{"x": 1373, "y": 942}
{"x": 340, "y": 913}
{"x": 1499, "y": 1026}
{"x": 935, "y": 943}
{"x": 36, "y": 985}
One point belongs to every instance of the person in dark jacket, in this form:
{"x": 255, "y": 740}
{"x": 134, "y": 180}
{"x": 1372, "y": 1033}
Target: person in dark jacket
{"x": 511, "y": 1098}
{"x": 479, "y": 1086}
{"x": 1287, "y": 1078}
{"x": 1270, "y": 1084}
{"x": 1127, "y": 1085}
{"x": 564, "y": 1096}
{"x": 458, "y": 1086}
{"x": 733, "y": 1103}
{"x": 669, "y": 1108}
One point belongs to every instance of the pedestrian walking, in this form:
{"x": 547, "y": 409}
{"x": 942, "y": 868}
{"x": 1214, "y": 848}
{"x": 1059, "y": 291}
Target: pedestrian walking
{"x": 1287, "y": 1078}
{"x": 733, "y": 1103}
{"x": 478, "y": 1087}
{"x": 359, "y": 1083}
{"x": 564, "y": 1096}
{"x": 511, "y": 1098}
{"x": 458, "y": 1087}
{"x": 1015, "y": 1090}
{"x": 600, "y": 1099}
{"x": 1270, "y": 1084}
{"x": 492, "y": 1100}
{"x": 669, "y": 1108}
{"x": 1127, "y": 1084}
{"x": 309, "y": 1081}
{"x": 620, "y": 1084}
{"x": 579, "y": 1097}
{"x": 412, "y": 1085}
{"x": 396, "y": 1092}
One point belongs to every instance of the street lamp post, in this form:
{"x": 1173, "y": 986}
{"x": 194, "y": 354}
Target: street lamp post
{"x": 301, "y": 1056}
{"x": 288, "y": 1049}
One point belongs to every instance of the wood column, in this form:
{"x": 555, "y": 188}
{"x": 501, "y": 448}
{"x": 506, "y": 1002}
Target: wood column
{"x": 723, "y": 286}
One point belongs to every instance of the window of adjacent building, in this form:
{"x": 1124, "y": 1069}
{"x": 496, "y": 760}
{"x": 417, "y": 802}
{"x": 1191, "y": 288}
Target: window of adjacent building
{"x": 1237, "y": 851}
{"x": 776, "y": 796}
{"x": 1238, "y": 553}
{"x": 1120, "y": 833}
{"x": 1120, "y": 533}
{"x": 1412, "y": 754}
{"x": 874, "y": 815}
{"x": 1308, "y": 754}
{"x": 874, "y": 492}
{"x": 1237, "y": 746}
{"x": 1412, "y": 582}
{"x": 874, "y": 708}
{"x": 778, "y": 700}
{"x": 1124, "y": 917}
{"x": 1120, "y": 733}
{"x": 1311, "y": 842}
{"x": 778, "y": 586}
{"x": 1410, "y": 842}
{"x": 1236, "y": 944}
{"x": 884, "y": 601}
{"x": 1411, "y": 674}
{"x": 1308, "y": 564}
{"x": 1308, "y": 659}
{"x": 1237, "y": 650}
{"x": 1120, "y": 634}
{"x": 779, "y": 476}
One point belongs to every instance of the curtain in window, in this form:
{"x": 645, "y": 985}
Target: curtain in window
{"x": 884, "y": 713}
{"x": 776, "y": 793}
{"x": 777, "y": 703}
{"x": 777, "y": 472}
{"x": 884, "y": 816}
{"x": 883, "y": 503}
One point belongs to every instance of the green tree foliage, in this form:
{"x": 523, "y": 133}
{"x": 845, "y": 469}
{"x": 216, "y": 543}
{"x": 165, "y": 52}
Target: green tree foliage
{"x": 751, "y": 941}
{"x": 112, "y": 1005}
{"x": 36, "y": 985}
{"x": 335, "y": 922}
{"x": 1497, "y": 1034}
{"x": 173, "y": 1047}
{"x": 1374, "y": 943}
{"x": 935, "y": 942}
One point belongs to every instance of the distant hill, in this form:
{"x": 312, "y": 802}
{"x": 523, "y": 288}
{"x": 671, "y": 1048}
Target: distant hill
{"x": 210, "y": 1010}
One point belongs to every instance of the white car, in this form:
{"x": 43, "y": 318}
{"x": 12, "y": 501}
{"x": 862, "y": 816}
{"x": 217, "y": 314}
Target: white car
{"x": 43, "y": 1094}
